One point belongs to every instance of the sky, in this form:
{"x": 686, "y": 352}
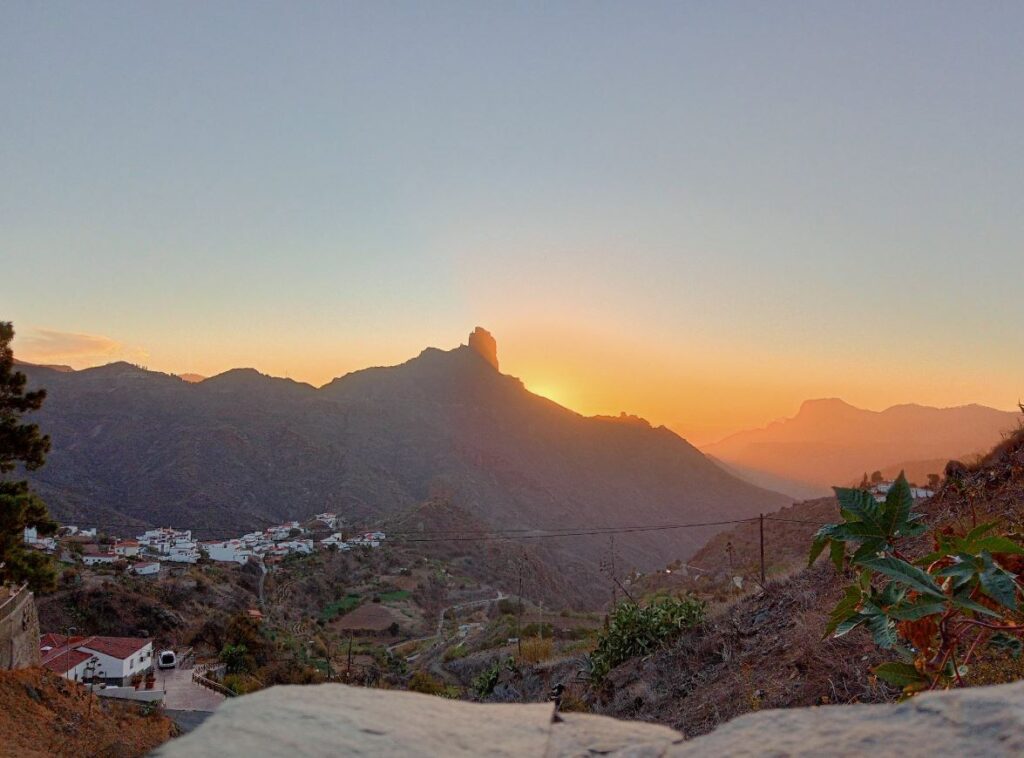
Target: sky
{"x": 699, "y": 212}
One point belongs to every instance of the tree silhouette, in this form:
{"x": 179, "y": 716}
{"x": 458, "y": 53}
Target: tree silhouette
{"x": 21, "y": 445}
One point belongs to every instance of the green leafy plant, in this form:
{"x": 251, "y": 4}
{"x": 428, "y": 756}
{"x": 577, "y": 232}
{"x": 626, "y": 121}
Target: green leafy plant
{"x": 485, "y": 682}
{"x": 635, "y": 630}
{"x": 937, "y": 612}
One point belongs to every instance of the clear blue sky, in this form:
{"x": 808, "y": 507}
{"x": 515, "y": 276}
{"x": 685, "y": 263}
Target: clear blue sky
{"x": 655, "y": 207}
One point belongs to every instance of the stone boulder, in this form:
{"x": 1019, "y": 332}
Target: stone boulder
{"x": 333, "y": 719}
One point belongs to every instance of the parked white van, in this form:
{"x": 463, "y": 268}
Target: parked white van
{"x": 167, "y": 659}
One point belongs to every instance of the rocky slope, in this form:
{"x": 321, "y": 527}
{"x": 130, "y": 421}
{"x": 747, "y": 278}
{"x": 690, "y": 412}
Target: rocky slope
{"x": 43, "y": 715}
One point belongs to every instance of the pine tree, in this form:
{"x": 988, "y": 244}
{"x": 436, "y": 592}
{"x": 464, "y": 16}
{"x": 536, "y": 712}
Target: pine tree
{"x": 21, "y": 445}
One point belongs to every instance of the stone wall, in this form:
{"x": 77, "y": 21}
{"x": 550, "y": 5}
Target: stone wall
{"x": 19, "y": 628}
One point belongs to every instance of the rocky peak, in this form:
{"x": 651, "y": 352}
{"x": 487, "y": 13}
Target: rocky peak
{"x": 483, "y": 343}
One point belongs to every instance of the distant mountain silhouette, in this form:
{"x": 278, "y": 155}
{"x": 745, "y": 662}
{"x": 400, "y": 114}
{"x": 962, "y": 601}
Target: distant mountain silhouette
{"x": 54, "y": 366}
{"x": 241, "y": 449}
{"x": 830, "y": 442}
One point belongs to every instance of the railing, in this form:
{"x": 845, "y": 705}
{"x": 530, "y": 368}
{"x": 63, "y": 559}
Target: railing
{"x": 199, "y": 678}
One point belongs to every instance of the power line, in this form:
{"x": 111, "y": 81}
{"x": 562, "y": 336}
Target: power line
{"x": 796, "y": 521}
{"x": 580, "y": 533}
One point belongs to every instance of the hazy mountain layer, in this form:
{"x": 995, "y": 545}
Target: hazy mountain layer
{"x": 830, "y": 442}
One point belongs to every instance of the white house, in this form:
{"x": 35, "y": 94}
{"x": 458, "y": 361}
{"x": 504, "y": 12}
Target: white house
{"x": 126, "y": 548}
{"x": 330, "y": 519}
{"x": 119, "y": 658}
{"x": 100, "y": 559}
{"x": 115, "y": 660}
{"x": 881, "y": 490}
{"x": 61, "y": 658}
{"x": 234, "y": 551}
{"x": 183, "y": 554}
{"x": 31, "y": 535}
{"x": 148, "y": 568}
{"x": 296, "y": 546}
{"x": 335, "y": 540}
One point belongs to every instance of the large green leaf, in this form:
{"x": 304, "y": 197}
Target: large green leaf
{"x": 845, "y": 609}
{"x": 916, "y": 610}
{"x": 817, "y": 545}
{"x": 837, "y": 552}
{"x": 858, "y": 531}
{"x": 997, "y": 544}
{"x": 998, "y": 584}
{"x": 848, "y": 625}
{"x": 899, "y": 674}
{"x": 868, "y": 549}
{"x": 905, "y": 573}
{"x": 898, "y": 502}
{"x": 858, "y": 505}
{"x": 882, "y": 630}
{"x": 964, "y": 603}
{"x": 963, "y": 571}
{"x": 966, "y": 544}
{"x": 891, "y": 594}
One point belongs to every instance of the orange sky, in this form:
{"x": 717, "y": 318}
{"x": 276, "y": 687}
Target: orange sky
{"x": 702, "y": 390}
{"x": 703, "y": 213}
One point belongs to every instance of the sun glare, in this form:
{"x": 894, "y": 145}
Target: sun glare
{"x": 548, "y": 391}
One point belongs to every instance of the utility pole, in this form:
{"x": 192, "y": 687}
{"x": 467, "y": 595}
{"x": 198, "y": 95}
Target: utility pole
{"x": 67, "y": 649}
{"x": 519, "y": 611}
{"x": 761, "y": 527}
{"x": 615, "y": 598}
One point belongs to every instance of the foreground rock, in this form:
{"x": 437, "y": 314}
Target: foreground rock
{"x": 338, "y": 720}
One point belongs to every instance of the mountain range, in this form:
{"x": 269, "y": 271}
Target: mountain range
{"x": 830, "y": 442}
{"x": 242, "y": 450}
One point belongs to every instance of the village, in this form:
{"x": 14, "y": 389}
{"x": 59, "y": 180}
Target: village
{"x": 126, "y": 667}
{"x": 145, "y": 554}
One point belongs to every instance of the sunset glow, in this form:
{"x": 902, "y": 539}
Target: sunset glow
{"x": 705, "y": 256}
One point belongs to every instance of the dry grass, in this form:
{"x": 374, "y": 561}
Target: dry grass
{"x": 537, "y": 649}
{"x": 42, "y": 714}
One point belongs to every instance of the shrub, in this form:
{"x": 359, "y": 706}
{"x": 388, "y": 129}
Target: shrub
{"x": 638, "y": 630}
{"x": 537, "y": 649}
{"x": 533, "y": 629}
{"x": 241, "y": 684}
{"x": 236, "y": 658}
{"x": 487, "y": 680}
{"x": 455, "y": 652}
{"x": 423, "y": 682}
{"x": 936, "y": 612}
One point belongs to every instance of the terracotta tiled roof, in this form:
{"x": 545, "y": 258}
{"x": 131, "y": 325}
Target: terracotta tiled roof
{"x": 60, "y": 660}
{"x": 116, "y": 647}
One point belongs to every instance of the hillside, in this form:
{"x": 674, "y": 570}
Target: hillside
{"x": 241, "y": 450}
{"x": 765, "y": 649}
{"x": 829, "y": 442}
{"x": 43, "y": 715}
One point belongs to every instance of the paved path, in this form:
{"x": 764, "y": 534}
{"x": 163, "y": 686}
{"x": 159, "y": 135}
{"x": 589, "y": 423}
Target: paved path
{"x": 456, "y": 608}
{"x": 185, "y": 695}
{"x": 187, "y": 720}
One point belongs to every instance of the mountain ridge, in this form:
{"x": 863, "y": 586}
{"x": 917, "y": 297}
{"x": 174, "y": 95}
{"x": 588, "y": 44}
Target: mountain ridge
{"x": 243, "y": 449}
